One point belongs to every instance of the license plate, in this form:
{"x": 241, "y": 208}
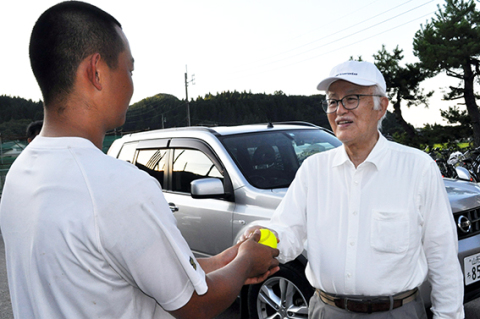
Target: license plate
{"x": 472, "y": 269}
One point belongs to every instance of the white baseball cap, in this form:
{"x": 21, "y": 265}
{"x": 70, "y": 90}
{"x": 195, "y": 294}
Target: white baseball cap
{"x": 357, "y": 72}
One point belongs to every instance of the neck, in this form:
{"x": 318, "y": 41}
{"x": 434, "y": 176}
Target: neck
{"x": 358, "y": 153}
{"x": 70, "y": 123}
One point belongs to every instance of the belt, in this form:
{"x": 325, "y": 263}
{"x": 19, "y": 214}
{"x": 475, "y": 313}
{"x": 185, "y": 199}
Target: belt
{"x": 365, "y": 304}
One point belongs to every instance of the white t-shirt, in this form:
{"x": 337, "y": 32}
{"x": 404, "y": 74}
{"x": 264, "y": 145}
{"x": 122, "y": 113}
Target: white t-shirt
{"x": 90, "y": 236}
{"x": 377, "y": 229}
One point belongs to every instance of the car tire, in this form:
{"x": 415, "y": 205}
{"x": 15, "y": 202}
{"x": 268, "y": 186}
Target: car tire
{"x": 286, "y": 293}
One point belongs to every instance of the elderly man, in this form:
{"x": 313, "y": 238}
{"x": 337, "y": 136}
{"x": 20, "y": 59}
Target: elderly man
{"x": 89, "y": 236}
{"x": 374, "y": 214}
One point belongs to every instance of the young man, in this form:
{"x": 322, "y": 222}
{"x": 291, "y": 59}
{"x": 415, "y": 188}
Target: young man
{"x": 89, "y": 236}
{"x": 375, "y": 214}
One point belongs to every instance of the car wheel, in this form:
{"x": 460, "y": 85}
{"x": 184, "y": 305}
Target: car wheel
{"x": 284, "y": 295}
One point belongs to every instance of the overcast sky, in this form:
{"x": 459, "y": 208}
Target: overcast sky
{"x": 260, "y": 46}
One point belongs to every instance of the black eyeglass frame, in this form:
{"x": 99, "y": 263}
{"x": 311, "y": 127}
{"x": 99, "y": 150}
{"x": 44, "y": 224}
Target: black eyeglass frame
{"x": 325, "y": 102}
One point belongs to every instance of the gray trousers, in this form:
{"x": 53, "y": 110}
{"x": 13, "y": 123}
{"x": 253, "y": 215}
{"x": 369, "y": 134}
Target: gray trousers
{"x": 319, "y": 310}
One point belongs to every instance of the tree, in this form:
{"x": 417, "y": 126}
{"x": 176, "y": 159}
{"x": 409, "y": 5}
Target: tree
{"x": 460, "y": 117}
{"x": 451, "y": 43}
{"x": 403, "y": 85}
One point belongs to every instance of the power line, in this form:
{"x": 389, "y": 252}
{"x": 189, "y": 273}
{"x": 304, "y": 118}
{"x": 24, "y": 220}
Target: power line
{"x": 186, "y": 93}
{"x": 357, "y": 32}
{"x": 345, "y": 46}
{"x": 332, "y": 34}
{"x": 336, "y": 40}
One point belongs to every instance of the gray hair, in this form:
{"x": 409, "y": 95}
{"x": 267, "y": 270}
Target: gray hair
{"x": 377, "y": 90}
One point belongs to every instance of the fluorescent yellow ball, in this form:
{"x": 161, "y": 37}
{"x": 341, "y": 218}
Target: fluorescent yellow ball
{"x": 267, "y": 238}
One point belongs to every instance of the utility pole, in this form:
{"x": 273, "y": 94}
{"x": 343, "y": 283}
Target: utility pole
{"x": 186, "y": 93}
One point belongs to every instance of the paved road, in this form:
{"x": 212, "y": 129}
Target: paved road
{"x": 472, "y": 309}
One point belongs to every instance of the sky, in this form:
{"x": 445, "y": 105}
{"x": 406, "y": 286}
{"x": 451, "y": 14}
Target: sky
{"x": 258, "y": 46}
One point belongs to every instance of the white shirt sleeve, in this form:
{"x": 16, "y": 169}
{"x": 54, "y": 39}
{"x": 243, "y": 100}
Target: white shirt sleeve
{"x": 440, "y": 245}
{"x": 289, "y": 219}
{"x": 141, "y": 241}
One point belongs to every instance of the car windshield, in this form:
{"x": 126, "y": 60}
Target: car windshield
{"x": 271, "y": 159}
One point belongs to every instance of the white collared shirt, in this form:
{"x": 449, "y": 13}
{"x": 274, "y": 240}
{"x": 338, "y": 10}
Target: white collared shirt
{"x": 377, "y": 229}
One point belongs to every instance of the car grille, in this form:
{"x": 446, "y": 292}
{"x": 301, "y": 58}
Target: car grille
{"x": 468, "y": 222}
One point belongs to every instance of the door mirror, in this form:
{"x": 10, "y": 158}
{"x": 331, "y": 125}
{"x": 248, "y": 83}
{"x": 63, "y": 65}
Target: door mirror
{"x": 207, "y": 188}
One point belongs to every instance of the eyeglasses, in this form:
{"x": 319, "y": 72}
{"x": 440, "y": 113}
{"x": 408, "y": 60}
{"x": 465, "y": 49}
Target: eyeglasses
{"x": 349, "y": 102}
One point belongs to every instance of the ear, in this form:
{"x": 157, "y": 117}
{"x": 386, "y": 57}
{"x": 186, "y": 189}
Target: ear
{"x": 93, "y": 71}
{"x": 383, "y": 106}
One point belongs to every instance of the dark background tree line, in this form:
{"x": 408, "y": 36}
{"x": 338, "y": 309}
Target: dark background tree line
{"x": 226, "y": 108}
{"x": 449, "y": 43}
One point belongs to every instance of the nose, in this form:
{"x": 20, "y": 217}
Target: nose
{"x": 341, "y": 109}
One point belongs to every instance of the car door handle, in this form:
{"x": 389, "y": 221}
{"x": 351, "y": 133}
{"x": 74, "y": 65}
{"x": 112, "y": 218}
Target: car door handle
{"x": 173, "y": 207}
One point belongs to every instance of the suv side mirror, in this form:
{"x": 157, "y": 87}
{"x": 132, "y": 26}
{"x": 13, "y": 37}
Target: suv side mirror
{"x": 207, "y": 188}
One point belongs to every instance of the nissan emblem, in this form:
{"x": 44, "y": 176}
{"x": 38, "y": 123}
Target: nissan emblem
{"x": 464, "y": 224}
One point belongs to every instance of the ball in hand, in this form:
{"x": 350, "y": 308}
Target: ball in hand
{"x": 267, "y": 238}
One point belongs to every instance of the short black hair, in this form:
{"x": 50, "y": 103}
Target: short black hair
{"x": 34, "y": 128}
{"x": 63, "y": 37}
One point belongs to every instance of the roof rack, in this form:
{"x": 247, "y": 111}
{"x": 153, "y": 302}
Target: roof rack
{"x": 304, "y": 124}
{"x": 297, "y": 123}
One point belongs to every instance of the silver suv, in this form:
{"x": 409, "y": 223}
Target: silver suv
{"x": 219, "y": 180}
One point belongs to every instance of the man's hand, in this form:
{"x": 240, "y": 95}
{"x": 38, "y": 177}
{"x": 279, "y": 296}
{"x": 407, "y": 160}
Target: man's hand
{"x": 263, "y": 262}
{"x": 249, "y": 232}
{"x": 247, "y": 262}
{"x": 228, "y": 255}
{"x": 259, "y": 279}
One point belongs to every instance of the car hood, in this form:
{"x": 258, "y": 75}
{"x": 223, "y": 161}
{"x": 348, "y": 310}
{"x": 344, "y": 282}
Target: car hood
{"x": 463, "y": 195}
{"x": 279, "y": 191}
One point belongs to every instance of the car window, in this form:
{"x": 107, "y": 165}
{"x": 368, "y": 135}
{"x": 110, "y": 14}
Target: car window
{"x": 271, "y": 159}
{"x": 309, "y": 143}
{"x": 127, "y": 152}
{"x": 189, "y": 165}
{"x": 153, "y": 161}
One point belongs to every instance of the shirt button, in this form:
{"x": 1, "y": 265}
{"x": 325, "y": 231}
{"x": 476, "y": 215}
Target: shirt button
{"x": 349, "y": 275}
{"x": 354, "y": 213}
{"x": 352, "y": 243}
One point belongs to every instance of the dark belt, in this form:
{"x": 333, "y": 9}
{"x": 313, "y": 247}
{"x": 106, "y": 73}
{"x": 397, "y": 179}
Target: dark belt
{"x": 365, "y": 304}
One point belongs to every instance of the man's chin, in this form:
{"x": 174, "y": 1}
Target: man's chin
{"x": 344, "y": 137}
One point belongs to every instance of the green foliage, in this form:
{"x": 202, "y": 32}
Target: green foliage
{"x": 15, "y": 108}
{"x": 14, "y": 129}
{"x": 451, "y": 39}
{"x": 226, "y": 108}
{"x": 15, "y": 115}
{"x": 450, "y": 42}
{"x": 390, "y": 125}
{"x": 149, "y": 113}
{"x": 434, "y": 134}
{"x": 403, "y": 83}
{"x": 456, "y": 116}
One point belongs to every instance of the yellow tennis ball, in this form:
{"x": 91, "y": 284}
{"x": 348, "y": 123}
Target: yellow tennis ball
{"x": 267, "y": 238}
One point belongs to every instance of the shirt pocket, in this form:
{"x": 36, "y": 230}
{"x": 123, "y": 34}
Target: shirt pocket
{"x": 390, "y": 232}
